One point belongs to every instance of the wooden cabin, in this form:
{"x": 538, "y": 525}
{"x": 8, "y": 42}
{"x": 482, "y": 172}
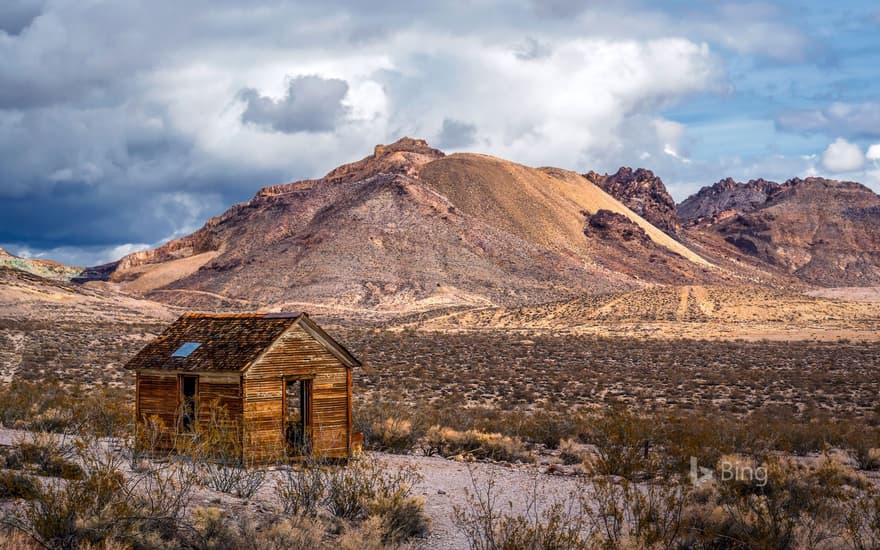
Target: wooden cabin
{"x": 281, "y": 381}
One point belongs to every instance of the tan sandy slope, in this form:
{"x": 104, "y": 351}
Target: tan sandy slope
{"x": 685, "y": 311}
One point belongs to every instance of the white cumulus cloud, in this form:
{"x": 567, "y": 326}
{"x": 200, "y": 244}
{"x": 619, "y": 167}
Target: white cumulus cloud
{"x": 843, "y": 156}
{"x": 873, "y": 152}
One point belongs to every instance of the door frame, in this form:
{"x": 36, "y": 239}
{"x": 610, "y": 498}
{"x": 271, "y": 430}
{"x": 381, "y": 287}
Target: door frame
{"x": 180, "y": 401}
{"x": 308, "y": 408}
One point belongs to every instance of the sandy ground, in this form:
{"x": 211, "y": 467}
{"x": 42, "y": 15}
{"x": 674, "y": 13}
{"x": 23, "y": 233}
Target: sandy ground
{"x": 446, "y": 484}
{"x": 849, "y": 293}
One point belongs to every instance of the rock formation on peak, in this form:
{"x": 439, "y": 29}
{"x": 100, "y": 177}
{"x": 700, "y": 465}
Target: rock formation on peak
{"x": 642, "y": 192}
{"x": 727, "y": 195}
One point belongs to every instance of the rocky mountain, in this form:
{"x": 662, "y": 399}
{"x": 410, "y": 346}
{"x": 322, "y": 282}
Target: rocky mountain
{"x": 824, "y": 232}
{"x": 409, "y": 229}
{"x": 727, "y": 196}
{"x": 643, "y": 193}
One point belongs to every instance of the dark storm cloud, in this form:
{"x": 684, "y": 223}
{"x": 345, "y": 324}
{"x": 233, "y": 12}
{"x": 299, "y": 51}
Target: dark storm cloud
{"x": 103, "y": 177}
{"x": 16, "y": 15}
{"x": 456, "y": 134}
{"x": 82, "y": 216}
{"x": 311, "y": 104}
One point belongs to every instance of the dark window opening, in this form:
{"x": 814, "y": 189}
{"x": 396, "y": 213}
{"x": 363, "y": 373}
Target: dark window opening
{"x": 297, "y": 397}
{"x": 188, "y": 388}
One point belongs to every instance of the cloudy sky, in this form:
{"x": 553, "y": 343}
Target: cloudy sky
{"x": 125, "y": 123}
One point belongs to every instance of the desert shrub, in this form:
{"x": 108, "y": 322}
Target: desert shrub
{"x": 480, "y": 445}
{"x": 392, "y": 434}
{"x": 350, "y": 489}
{"x": 769, "y": 515}
{"x": 238, "y": 480}
{"x": 701, "y": 436}
{"x": 107, "y": 412}
{"x": 549, "y": 427}
{"x": 621, "y": 513}
{"x": 367, "y": 488}
{"x": 104, "y": 505}
{"x": 570, "y": 453}
{"x": 52, "y": 407}
{"x": 47, "y": 455}
{"x": 487, "y": 526}
{"x": 367, "y": 535}
{"x": 21, "y": 401}
{"x": 68, "y": 515}
{"x": 16, "y": 485}
{"x": 863, "y": 445}
{"x": 391, "y": 425}
{"x": 217, "y": 451}
{"x": 150, "y": 438}
{"x": 301, "y": 490}
{"x": 288, "y": 534}
{"x": 402, "y": 515}
{"x": 793, "y": 506}
{"x": 623, "y": 443}
{"x": 212, "y": 530}
{"x": 15, "y": 540}
{"x": 778, "y": 429}
{"x": 387, "y": 425}
{"x": 862, "y": 522}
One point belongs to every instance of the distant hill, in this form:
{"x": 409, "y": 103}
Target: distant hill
{"x": 43, "y": 268}
{"x": 824, "y": 232}
{"x": 408, "y": 229}
{"x": 58, "y": 330}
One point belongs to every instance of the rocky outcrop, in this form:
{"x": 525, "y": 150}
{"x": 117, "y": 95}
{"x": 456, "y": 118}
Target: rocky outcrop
{"x": 405, "y": 156}
{"x": 608, "y": 225}
{"x": 643, "y": 193}
{"x": 825, "y": 232}
{"x": 727, "y": 196}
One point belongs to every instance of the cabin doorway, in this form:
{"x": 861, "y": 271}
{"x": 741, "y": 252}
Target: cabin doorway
{"x": 189, "y": 389}
{"x": 298, "y": 416}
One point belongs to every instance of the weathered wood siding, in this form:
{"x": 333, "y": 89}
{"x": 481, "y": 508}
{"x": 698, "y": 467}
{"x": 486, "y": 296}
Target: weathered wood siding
{"x": 158, "y": 394}
{"x": 216, "y": 394}
{"x": 296, "y": 354}
{"x": 157, "y": 397}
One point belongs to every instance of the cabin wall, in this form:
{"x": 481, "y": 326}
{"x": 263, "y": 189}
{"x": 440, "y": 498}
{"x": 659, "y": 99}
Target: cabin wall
{"x": 219, "y": 400}
{"x": 158, "y": 394}
{"x": 157, "y": 397}
{"x": 296, "y": 353}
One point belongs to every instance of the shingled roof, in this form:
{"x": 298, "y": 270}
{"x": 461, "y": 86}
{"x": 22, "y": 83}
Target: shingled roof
{"x": 227, "y": 341}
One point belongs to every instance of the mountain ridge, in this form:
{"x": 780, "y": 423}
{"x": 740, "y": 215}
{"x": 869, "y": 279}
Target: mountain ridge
{"x": 409, "y": 228}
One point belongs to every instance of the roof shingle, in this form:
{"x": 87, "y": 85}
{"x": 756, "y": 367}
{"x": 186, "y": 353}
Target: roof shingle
{"x": 229, "y": 342}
